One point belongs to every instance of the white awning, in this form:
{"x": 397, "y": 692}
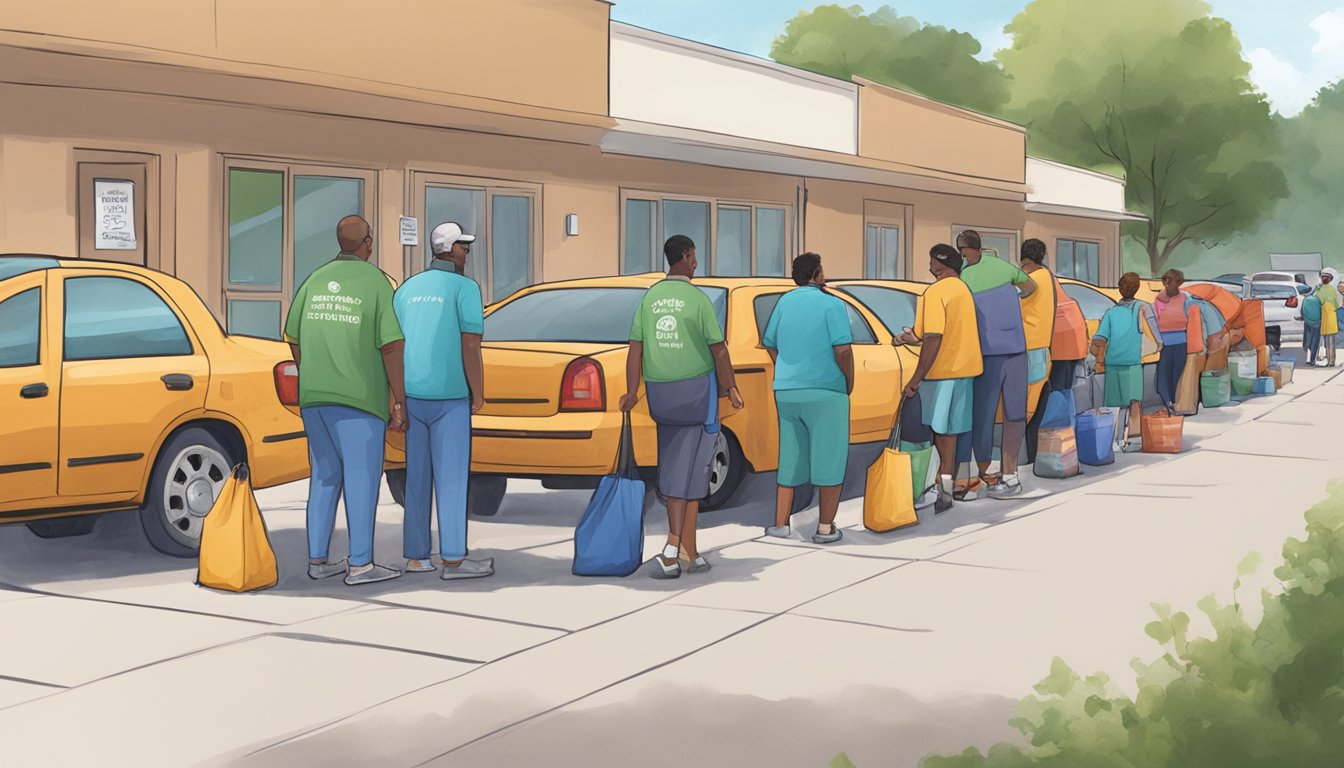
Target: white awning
{"x": 1085, "y": 213}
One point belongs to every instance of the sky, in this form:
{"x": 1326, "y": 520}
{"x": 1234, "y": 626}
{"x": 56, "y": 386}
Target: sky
{"x": 1294, "y": 46}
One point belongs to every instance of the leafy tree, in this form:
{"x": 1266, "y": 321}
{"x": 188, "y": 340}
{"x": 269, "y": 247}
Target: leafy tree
{"x": 1156, "y": 89}
{"x": 1250, "y": 696}
{"x": 895, "y": 50}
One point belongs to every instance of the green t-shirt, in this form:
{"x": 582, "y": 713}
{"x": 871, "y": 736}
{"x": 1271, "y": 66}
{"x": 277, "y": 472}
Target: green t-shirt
{"x": 992, "y": 272}
{"x": 676, "y": 324}
{"x": 341, "y": 318}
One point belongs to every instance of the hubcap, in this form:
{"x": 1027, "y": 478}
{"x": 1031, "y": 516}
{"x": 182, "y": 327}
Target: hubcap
{"x": 195, "y": 478}
{"x": 718, "y": 469}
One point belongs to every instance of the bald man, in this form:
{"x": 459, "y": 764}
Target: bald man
{"x": 344, "y": 335}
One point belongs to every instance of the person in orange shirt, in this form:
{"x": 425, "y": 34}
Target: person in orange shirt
{"x": 949, "y": 360}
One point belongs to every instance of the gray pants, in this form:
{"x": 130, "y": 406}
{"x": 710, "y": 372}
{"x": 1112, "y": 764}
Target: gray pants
{"x": 686, "y": 415}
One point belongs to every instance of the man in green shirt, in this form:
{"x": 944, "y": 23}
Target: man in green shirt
{"x": 344, "y": 334}
{"x": 676, "y": 345}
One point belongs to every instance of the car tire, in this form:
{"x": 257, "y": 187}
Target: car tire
{"x": 727, "y": 469}
{"x": 485, "y": 493}
{"x": 188, "y": 476}
{"x": 63, "y": 527}
{"x": 396, "y": 485}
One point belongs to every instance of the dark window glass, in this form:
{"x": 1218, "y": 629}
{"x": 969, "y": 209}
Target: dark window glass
{"x": 590, "y": 315}
{"x": 1093, "y": 303}
{"x": 112, "y": 317}
{"x": 20, "y": 329}
{"x": 858, "y": 327}
{"x": 895, "y": 308}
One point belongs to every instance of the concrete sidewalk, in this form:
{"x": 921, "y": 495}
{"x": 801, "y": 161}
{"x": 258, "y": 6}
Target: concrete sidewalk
{"x": 886, "y": 647}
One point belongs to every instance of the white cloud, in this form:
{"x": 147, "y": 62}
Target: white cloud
{"x": 1290, "y": 89}
{"x": 992, "y": 40}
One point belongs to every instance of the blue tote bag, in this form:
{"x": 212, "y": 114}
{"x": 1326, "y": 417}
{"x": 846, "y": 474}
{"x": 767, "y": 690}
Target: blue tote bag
{"x": 610, "y": 538}
{"x": 998, "y": 314}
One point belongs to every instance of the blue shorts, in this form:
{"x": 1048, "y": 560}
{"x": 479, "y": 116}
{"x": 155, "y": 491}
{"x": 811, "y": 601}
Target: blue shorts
{"x": 947, "y": 405}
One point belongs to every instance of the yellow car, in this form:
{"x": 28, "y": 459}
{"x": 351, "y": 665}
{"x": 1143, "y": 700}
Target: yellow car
{"x": 121, "y": 391}
{"x": 555, "y": 356}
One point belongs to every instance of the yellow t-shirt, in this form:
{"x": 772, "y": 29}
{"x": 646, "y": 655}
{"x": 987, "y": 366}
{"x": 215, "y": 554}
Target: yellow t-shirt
{"x": 1038, "y": 311}
{"x": 947, "y": 308}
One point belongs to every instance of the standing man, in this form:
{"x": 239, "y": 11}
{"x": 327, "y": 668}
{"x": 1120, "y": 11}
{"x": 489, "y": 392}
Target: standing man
{"x": 1328, "y": 293}
{"x": 808, "y": 338}
{"x": 440, "y": 313}
{"x": 997, "y": 287}
{"x": 676, "y": 345}
{"x": 1038, "y": 324}
{"x": 949, "y": 360}
{"x": 344, "y": 335}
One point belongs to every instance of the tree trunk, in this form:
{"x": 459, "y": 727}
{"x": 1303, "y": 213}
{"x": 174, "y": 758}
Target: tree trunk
{"x": 1156, "y": 261}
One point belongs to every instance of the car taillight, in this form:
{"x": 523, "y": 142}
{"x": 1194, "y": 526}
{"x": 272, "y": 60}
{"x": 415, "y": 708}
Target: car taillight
{"x": 582, "y": 388}
{"x": 287, "y": 382}
{"x": 1291, "y": 302}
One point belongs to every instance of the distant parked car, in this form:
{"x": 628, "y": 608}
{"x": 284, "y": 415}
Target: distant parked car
{"x": 1231, "y": 278}
{"x": 1283, "y": 304}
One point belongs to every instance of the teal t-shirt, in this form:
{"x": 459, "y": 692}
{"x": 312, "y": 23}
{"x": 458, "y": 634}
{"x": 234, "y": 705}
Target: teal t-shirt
{"x": 1120, "y": 328}
{"x": 1311, "y": 310}
{"x": 804, "y": 329}
{"x": 676, "y": 324}
{"x": 341, "y": 318}
{"x": 434, "y": 309}
{"x": 992, "y": 272}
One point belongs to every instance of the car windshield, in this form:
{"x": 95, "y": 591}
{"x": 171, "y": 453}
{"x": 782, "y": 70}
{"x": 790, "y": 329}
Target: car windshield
{"x": 1260, "y": 291}
{"x": 895, "y": 308}
{"x": 587, "y": 315}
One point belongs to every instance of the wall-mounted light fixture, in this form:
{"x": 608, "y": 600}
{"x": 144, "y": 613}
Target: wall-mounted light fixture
{"x": 572, "y": 224}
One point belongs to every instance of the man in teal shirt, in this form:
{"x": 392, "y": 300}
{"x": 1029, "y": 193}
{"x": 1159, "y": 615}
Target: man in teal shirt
{"x": 344, "y": 335}
{"x": 997, "y": 288}
{"x": 808, "y": 337}
{"x": 676, "y": 345}
{"x": 440, "y": 313}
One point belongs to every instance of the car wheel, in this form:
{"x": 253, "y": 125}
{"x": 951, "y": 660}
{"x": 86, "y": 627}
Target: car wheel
{"x": 485, "y": 493}
{"x": 62, "y": 527}
{"x": 726, "y": 470}
{"x": 188, "y": 476}
{"x": 396, "y": 484}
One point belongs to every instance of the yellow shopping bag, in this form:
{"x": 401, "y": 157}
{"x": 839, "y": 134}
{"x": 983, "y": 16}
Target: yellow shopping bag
{"x": 888, "y": 497}
{"x": 236, "y": 553}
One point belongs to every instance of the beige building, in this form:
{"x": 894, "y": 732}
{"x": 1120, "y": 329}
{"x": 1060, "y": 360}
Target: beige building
{"x": 221, "y": 141}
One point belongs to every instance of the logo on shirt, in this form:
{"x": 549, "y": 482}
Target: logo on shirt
{"x": 334, "y": 287}
{"x": 667, "y": 324}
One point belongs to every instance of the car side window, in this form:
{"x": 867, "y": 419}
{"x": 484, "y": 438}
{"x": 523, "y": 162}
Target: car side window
{"x": 764, "y": 306}
{"x": 21, "y": 329}
{"x": 859, "y": 328}
{"x": 112, "y": 317}
{"x": 1093, "y": 303}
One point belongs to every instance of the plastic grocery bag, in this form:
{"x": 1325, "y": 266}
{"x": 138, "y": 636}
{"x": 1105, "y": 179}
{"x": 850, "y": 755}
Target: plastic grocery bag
{"x": 609, "y": 540}
{"x": 236, "y": 553}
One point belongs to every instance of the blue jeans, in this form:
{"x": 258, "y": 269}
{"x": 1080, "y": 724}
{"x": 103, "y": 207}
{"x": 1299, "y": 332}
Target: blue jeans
{"x": 438, "y": 463}
{"x": 1170, "y": 368}
{"x": 345, "y": 451}
{"x": 1311, "y": 341}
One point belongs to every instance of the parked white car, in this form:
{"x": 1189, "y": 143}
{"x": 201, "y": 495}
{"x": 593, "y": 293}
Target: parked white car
{"x": 1282, "y": 295}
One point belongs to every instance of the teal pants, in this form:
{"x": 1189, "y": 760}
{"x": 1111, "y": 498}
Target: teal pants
{"x": 813, "y": 436}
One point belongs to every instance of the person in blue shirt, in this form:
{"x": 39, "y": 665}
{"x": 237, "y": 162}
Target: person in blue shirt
{"x": 441, "y": 317}
{"x": 808, "y": 336}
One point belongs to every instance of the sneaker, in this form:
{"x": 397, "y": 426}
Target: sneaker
{"x": 828, "y": 538}
{"x": 319, "y": 571}
{"x": 469, "y": 569}
{"x": 662, "y": 570}
{"x": 779, "y": 531}
{"x": 1007, "y": 487}
{"x": 373, "y": 575}
{"x": 419, "y": 566}
{"x": 699, "y": 565}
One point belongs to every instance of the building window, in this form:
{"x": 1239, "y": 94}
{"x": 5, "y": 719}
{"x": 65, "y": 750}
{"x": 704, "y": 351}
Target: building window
{"x": 503, "y": 218}
{"x": 1078, "y": 259}
{"x": 882, "y": 253}
{"x": 731, "y": 238}
{"x": 281, "y": 227}
{"x": 1003, "y": 242}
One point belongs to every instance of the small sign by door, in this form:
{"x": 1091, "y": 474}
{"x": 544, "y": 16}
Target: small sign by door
{"x": 114, "y": 215}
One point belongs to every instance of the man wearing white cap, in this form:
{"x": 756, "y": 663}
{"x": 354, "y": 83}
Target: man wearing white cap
{"x": 441, "y": 317}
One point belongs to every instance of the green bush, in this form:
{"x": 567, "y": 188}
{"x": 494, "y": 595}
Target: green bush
{"x": 1269, "y": 695}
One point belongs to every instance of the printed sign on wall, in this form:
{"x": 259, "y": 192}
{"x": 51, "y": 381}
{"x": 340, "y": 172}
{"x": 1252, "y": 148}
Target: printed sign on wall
{"x": 114, "y": 215}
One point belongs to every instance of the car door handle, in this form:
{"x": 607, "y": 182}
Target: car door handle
{"x": 177, "y": 381}
{"x": 34, "y": 390}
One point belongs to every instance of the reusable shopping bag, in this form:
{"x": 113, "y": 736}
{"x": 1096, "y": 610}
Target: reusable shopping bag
{"x": 1215, "y": 388}
{"x": 1162, "y": 430}
{"x": 1095, "y": 434}
{"x": 1070, "y": 340}
{"x": 1060, "y": 410}
{"x": 921, "y": 459}
{"x": 998, "y": 315}
{"x": 236, "y": 553}
{"x": 1056, "y": 453}
{"x": 889, "y": 495}
{"x": 1187, "y": 389}
{"x": 609, "y": 540}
